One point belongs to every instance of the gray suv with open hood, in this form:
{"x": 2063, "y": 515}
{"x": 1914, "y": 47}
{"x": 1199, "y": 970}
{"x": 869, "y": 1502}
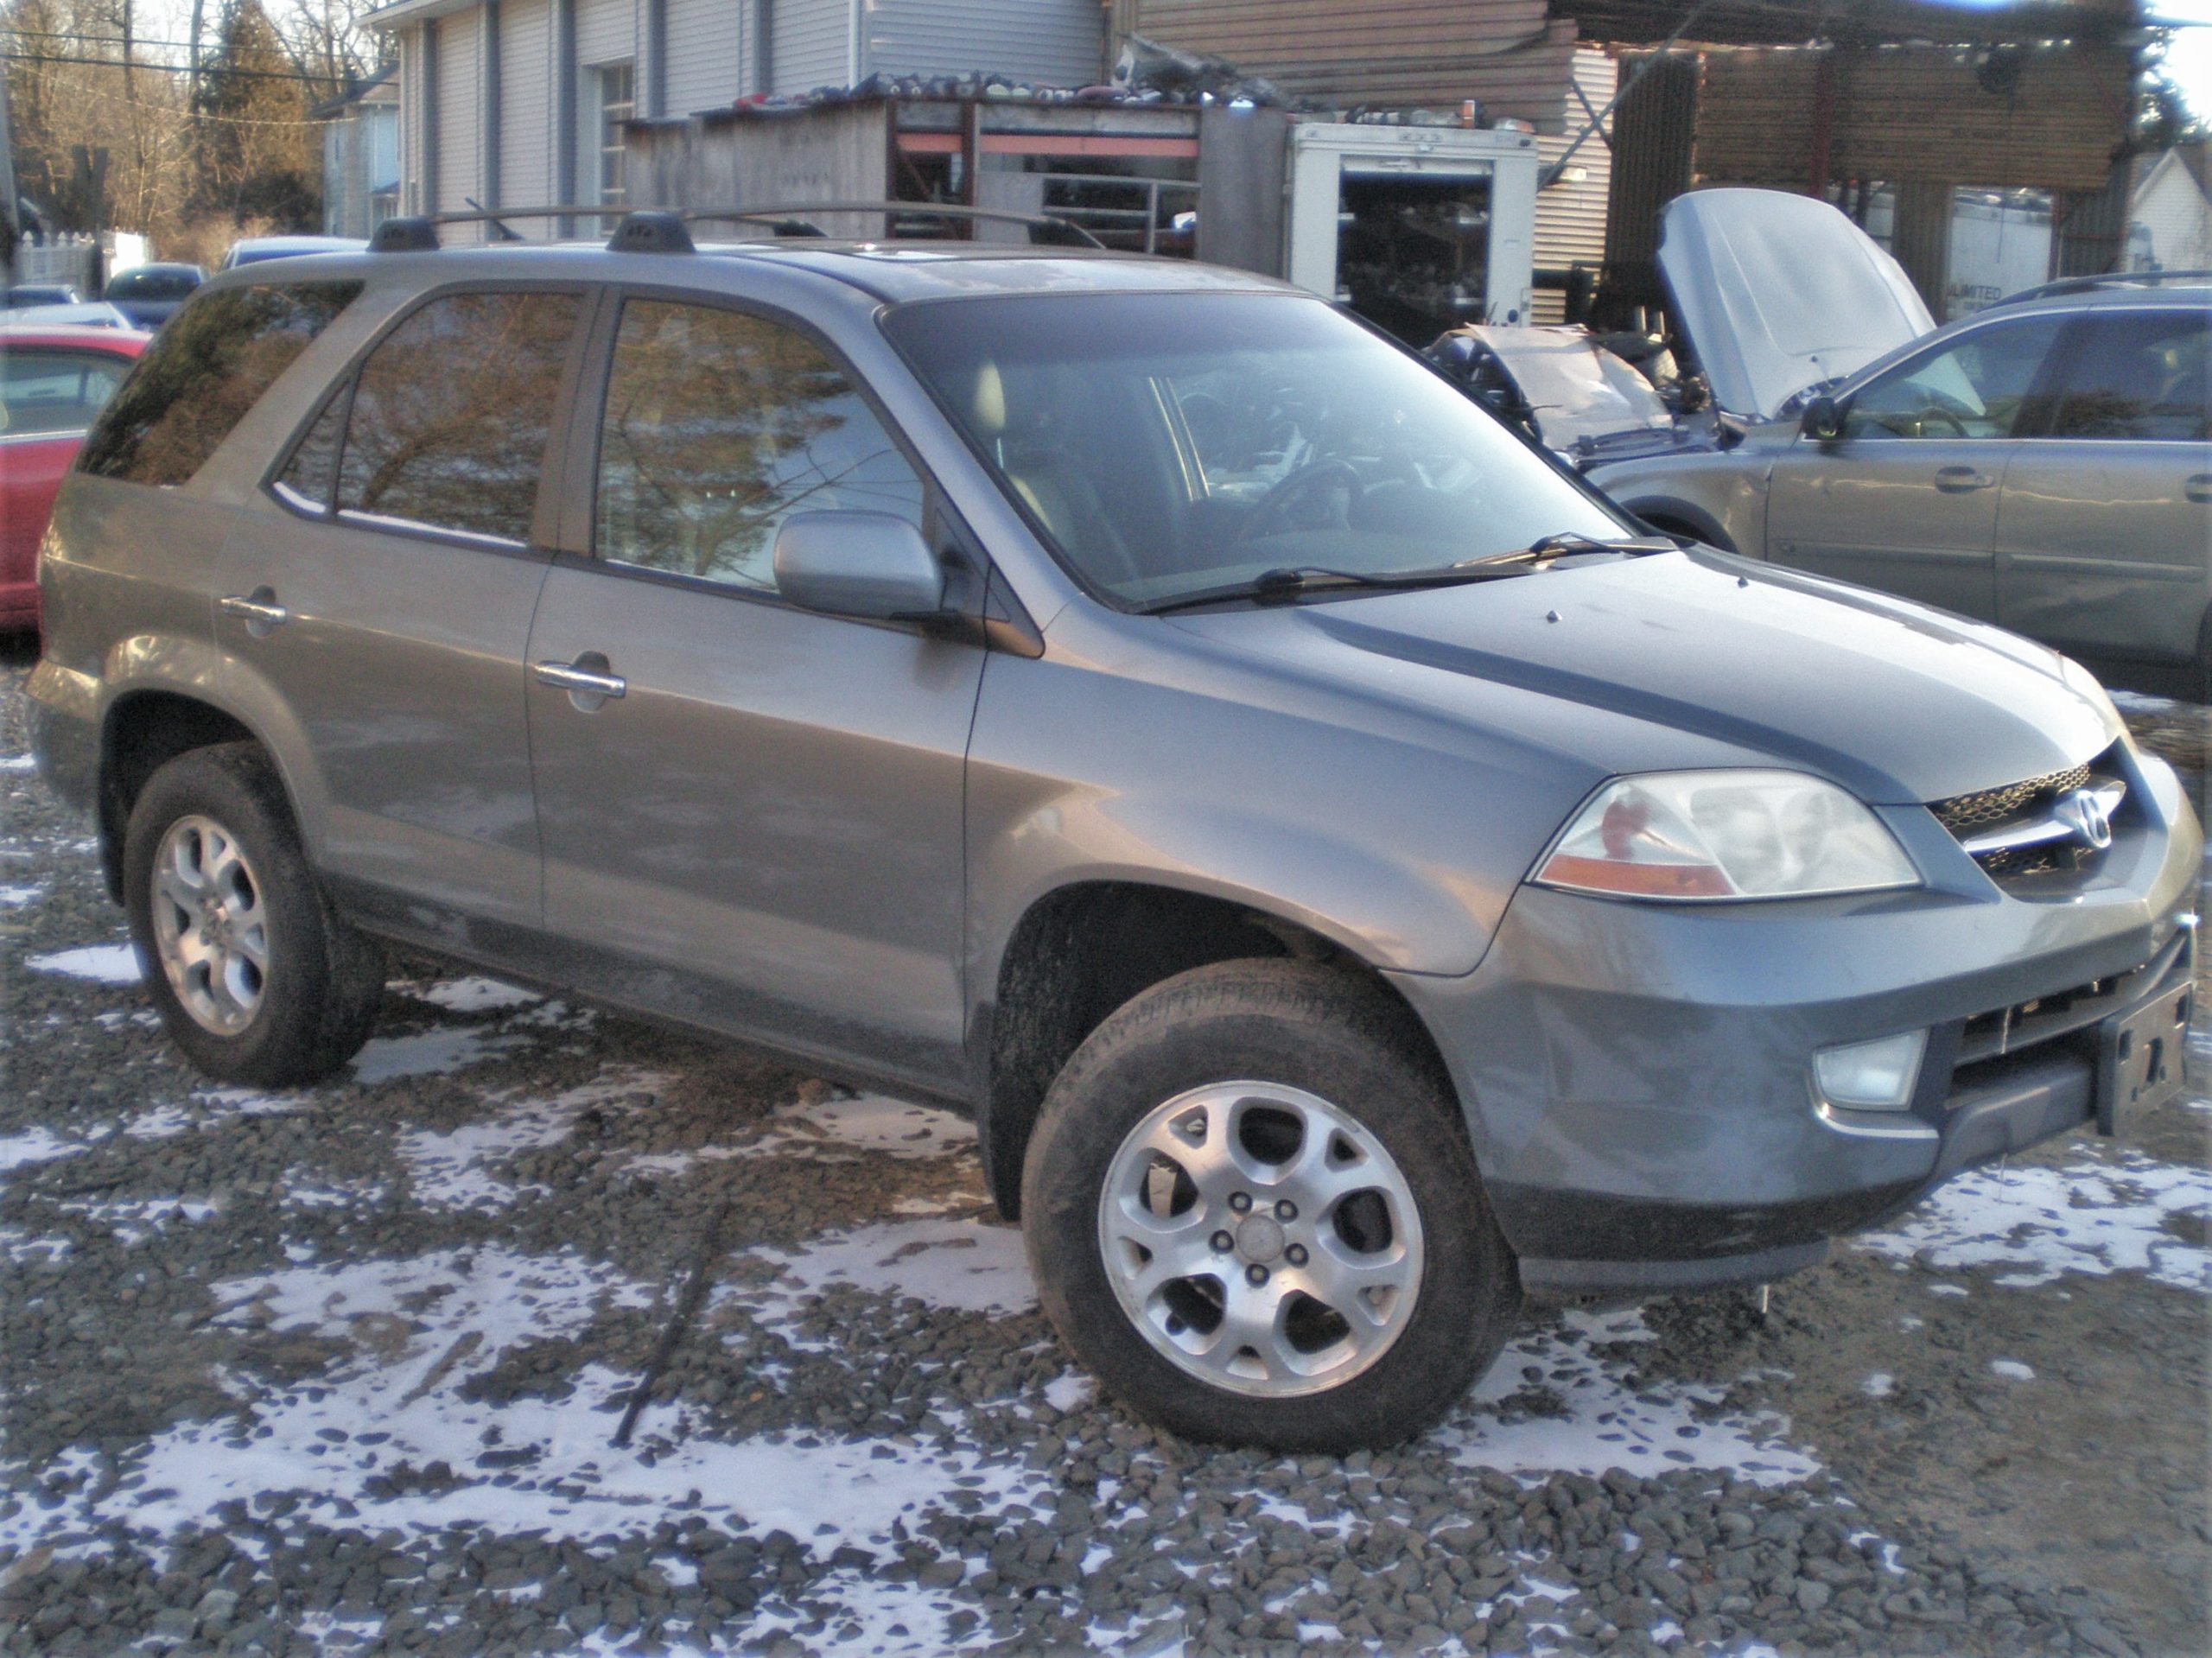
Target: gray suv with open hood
{"x": 1354, "y": 876}
{"x": 2046, "y": 464}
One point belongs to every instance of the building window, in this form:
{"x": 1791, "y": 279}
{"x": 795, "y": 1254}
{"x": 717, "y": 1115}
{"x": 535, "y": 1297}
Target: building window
{"x": 617, "y": 101}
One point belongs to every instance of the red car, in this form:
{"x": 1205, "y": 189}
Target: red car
{"x": 53, "y": 381}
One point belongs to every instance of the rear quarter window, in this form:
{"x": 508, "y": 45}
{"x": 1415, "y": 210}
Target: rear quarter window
{"x": 203, "y": 372}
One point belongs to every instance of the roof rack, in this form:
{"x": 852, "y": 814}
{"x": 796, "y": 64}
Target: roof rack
{"x": 795, "y": 215}
{"x": 2107, "y": 279}
{"x": 661, "y": 230}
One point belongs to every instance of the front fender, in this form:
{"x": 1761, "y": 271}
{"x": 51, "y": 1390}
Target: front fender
{"x": 1720, "y": 499}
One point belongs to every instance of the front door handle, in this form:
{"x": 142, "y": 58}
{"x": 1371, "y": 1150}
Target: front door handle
{"x": 2198, "y": 488}
{"x": 259, "y": 609}
{"x": 1960, "y": 480}
{"x": 587, "y": 680}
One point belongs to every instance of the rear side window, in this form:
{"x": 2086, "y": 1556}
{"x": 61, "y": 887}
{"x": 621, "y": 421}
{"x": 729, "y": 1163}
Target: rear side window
{"x": 54, "y": 391}
{"x": 450, "y": 417}
{"x": 2141, "y": 374}
{"x": 205, "y": 371}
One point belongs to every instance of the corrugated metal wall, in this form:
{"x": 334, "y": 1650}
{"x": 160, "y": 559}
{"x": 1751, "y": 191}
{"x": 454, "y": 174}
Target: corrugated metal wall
{"x": 1056, "y": 42}
{"x": 460, "y": 111}
{"x": 526, "y": 107}
{"x": 710, "y": 45}
{"x": 811, "y": 44}
{"x": 1915, "y": 111}
{"x": 1511, "y": 54}
{"x": 1570, "y": 214}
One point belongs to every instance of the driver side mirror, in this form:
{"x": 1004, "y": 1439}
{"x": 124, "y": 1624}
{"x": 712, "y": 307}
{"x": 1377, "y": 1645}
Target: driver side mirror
{"x": 873, "y": 566}
{"x": 1823, "y": 419}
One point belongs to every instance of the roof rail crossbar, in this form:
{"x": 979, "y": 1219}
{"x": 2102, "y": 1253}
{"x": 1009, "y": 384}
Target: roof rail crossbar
{"x": 2089, "y": 284}
{"x": 418, "y": 233}
{"x": 798, "y": 213}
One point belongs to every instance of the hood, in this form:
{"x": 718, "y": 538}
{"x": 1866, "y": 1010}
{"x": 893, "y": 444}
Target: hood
{"x": 1574, "y": 387}
{"x": 1777, "y": 292}
{"x": 1895, "y": 702}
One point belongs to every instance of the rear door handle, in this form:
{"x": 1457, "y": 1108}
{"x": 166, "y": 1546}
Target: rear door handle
{"x": 261, "y": 613}
{"x": 1960, "y": 480}
{"x": 2198, "y": 488}
{"x": 582, "y": 681}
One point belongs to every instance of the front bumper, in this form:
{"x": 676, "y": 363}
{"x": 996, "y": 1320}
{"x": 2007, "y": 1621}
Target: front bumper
{"x": 1636, "y": 1077}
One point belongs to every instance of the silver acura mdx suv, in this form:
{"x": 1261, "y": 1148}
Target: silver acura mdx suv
{"x": 1353, "y": 878}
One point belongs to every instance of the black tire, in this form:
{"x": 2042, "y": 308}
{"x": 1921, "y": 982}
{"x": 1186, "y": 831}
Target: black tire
{"x": 1325, "y": 1032}
{"x": 325, "y": 980}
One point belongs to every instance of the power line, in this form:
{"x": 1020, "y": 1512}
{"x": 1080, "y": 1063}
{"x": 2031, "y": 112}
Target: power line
{"x": 210, "y": 70}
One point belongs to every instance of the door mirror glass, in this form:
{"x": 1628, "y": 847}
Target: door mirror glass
{"x": 1822, "y": 420}
{"x": 866, "y": 564}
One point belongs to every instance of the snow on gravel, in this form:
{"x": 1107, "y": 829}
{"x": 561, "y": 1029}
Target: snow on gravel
{"x": 431, "y": 1053}
{"x": 36, "y": 1145}
{"x": 2040, "y": 1224}
{"x": 1552, "y": 1405}
{"x": 453, "y": 1168}
{"x": 962, "y": 1265}
{"x": 105, "y": 963}
{"x": 477, "y": 995}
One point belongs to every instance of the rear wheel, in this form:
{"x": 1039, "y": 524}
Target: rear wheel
{"x": 1252, "y": 1210}
{"x": 254, "y": 974}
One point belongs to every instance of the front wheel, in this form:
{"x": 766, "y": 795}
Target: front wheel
{"x": 256, "y": 975}
{"x": 1252, "y": 1211}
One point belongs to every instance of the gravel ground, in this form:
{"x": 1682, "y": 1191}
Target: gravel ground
{"x": 348, "y": 1369}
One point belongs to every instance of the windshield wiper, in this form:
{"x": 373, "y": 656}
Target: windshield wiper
{"x": 1281, "y": 585}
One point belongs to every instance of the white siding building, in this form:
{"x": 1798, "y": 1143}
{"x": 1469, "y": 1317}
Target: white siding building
{"x": 514, "y": 104}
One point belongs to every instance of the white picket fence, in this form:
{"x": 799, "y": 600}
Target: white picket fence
{"x": 84, "y": 262}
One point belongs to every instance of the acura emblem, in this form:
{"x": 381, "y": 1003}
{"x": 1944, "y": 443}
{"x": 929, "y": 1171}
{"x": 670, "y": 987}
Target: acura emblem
{"x": 2083, "y": 812}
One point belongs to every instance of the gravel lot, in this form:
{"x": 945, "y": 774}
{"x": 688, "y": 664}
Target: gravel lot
{"x": 346, "y": 1369}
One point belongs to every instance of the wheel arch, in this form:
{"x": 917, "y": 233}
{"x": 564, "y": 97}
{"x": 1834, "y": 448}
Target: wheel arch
{"x": 143, "y": 728}
{"x": 1677, "y": 516}
{"x": 1085, "y": 949}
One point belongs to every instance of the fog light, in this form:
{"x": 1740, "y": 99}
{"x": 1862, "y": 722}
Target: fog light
{"x": 1877, "y": 1075}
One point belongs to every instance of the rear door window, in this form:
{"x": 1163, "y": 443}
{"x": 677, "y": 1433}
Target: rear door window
{"x": 446, "y": 423}
{"x": 2145, "y": 375}
{"x": 201, "y": 375}
{"x": 43, "y": 391}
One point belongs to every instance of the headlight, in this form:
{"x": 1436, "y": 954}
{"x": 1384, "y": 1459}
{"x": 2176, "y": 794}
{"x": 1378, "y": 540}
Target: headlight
{"x": 1725, "y": 835}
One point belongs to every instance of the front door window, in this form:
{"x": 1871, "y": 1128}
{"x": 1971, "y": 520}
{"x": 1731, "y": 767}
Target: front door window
{"x": 1973, "y": 388}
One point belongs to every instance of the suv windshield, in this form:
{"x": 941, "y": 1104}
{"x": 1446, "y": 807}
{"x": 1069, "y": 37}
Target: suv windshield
{"x": 1174, "y": 443}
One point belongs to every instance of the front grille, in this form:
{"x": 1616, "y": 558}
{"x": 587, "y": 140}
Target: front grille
{"x": 2024, "y": 804}
{"x": 1963, "y": 814}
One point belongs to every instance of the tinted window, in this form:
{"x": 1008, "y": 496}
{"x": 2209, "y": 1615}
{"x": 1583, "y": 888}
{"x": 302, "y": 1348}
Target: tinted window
{"x": 1173, "y": 443}
{"x": 1973, "y": 387}
{"x": 56, "y": 391}
{"x": 717, "y": 426}
{"x": 309, "y": 475}
{"x": 207, "y": 368}
{"x": 153, "y": 284}
{"x": 2139, "y": 374}
{"x": 452, "y": 412}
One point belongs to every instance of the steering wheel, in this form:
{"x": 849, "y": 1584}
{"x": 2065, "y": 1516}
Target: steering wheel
{"x": 1943, "y": 409}
{"x": 1278, "y": 510}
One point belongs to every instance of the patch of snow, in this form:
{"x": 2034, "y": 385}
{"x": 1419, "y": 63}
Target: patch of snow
{"x": 105, "y": 963}
{"x": 13, "y": 896}
{"x": 1880, "y": 1385}
{"x": 133, "y": 1220}
{"x": 37, "y": 1145}
{"x": 2040, "y": 1224}
{"x": 1593, "y": 1420}
{"x": 1958, "y": 1291}
{"x": 2011, "y": 1369}
{"x": 1070, "y": 1391}
{"x": 162, "y": 1122}
{"x": 448, "y": 1168}
{"x": 867, "y": 1123}
{"x": 962, "y": 1265}
{"x": 476, "y": 995}
{"x": 432, "y": 1053}
{"x": 19, "y": 763}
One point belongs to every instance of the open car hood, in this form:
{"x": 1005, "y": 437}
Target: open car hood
{"x": 1574, "y": 387}
{"x": 1776, "y": 293}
